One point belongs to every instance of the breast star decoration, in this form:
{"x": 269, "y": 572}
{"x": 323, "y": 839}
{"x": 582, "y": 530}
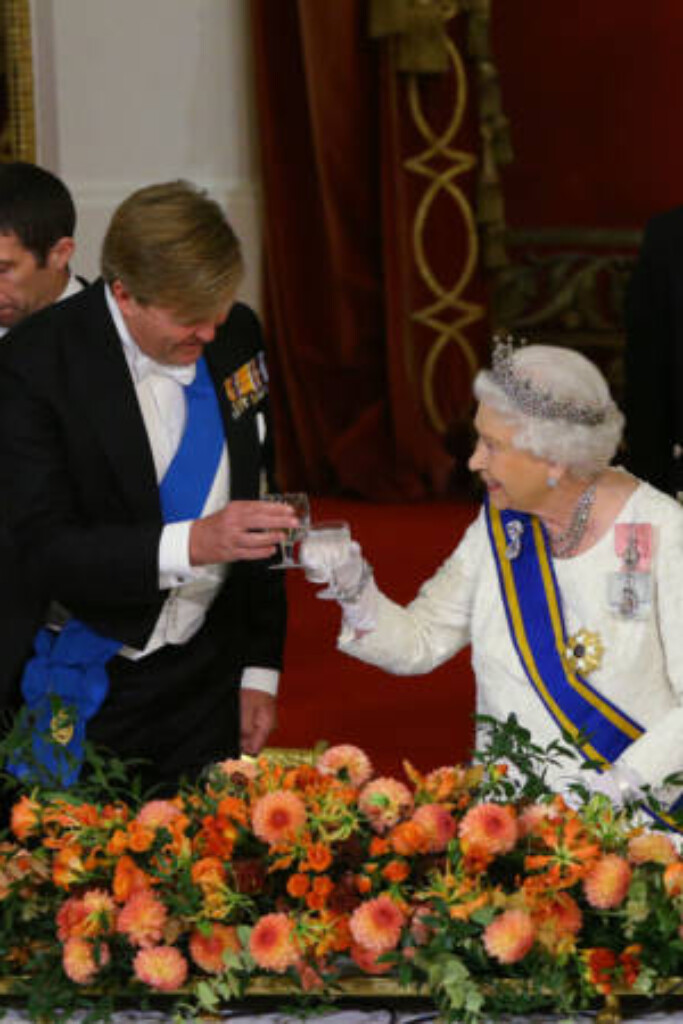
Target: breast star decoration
{"x": 584, "y": 652}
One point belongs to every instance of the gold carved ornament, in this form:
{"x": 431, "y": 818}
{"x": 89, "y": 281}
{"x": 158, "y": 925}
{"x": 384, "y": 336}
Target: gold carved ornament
{"x": 422, "y": 45}
{"x": 17, "y": 138}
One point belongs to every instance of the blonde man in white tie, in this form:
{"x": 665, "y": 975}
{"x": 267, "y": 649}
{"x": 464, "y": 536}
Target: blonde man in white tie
{"x": 134, "y": 442}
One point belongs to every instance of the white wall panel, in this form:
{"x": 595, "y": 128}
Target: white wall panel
{"x": 138, "y": 91}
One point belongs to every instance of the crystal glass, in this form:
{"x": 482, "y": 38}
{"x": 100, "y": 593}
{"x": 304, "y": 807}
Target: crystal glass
{"x": 299, "y": 502}
{"x": 325, "y": 536}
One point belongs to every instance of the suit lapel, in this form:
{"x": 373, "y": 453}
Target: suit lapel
{"x": 102, "y": 378}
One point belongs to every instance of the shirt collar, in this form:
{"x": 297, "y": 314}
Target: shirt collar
{"x": 141, "y": 365}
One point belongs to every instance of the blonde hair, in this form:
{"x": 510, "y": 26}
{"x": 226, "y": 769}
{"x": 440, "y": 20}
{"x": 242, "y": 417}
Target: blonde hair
{"x": 170, "y": 245}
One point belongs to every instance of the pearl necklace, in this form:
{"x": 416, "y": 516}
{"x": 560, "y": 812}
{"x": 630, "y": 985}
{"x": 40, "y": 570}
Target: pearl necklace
{"x": 565, "y": 544}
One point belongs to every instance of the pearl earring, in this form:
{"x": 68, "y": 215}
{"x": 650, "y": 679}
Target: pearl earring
{"x": 552, "y": 481}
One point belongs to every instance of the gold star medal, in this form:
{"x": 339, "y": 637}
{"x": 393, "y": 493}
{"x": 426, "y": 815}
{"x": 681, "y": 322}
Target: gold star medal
{"x": 583, "y": 652}
{"x": 62, "y": 727}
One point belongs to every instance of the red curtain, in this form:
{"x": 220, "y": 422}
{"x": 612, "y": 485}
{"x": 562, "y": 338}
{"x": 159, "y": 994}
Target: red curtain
{"x": 346, "y": 400}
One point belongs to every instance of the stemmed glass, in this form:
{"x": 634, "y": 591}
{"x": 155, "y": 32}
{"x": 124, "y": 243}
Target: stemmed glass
{"x": 321, "y": 536}
{"x": 299, "y": 502}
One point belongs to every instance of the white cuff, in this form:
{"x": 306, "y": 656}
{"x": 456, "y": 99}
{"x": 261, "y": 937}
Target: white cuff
{"x": 174, "y": 555}
{"x": 361, "y": 613}
{"x": 265, "y": 679}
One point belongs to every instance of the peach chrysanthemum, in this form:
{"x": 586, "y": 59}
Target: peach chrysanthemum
{"x": 346, "y": 762}
{"x": 158, "y": 814}
{"x": 207, "y": 950}
{"x": 142, "y": 919}
{"x": 384, "y": 802}
{"x": 377, "y": 924}
{"x": 439, "y": 824}
{"x": 272, "y": 944}
{"x": 278, "y": 817}
{"x": 161, "y": 967}
{"x": 81, "y": 960}
{"x": 234, "y": 767}
{"x": 652, "y": 847}
{"x": 488, "y": 829}
{"x": 607, "y": 882}
{"x": 510, "y": 936}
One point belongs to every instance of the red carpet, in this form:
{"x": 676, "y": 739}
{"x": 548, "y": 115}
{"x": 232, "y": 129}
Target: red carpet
{"x": 326, "y": 695}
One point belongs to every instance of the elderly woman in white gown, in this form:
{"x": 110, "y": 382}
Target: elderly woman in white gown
{"x": 568, "y": 585}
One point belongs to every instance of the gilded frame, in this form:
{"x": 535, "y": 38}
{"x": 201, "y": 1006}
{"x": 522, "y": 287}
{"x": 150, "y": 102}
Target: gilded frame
{"x": 17, "y": 127}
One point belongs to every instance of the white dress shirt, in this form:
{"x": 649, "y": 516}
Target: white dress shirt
{"x": 159, "y": 390}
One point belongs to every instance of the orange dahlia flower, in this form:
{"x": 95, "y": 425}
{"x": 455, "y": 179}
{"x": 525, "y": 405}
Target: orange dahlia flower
{"x": 439, "y": 824}
{"x": 278, "y": 817}
{"x": 161, "y": 967}
{"x": 653, "y": 847}
{"x": 272, "y": 943}
{"x": 207, "y": 950}
{"x": 142, "y": 919}
{"x": 488, "y": 829}
{"x": 346, "y": 762}
{"x": 377, "y": 924}
{"x": 509, "y": 937}
{"x": 607, "y": 881}
{"x": 385, "y": 802}
{"x": 82, "y": 960}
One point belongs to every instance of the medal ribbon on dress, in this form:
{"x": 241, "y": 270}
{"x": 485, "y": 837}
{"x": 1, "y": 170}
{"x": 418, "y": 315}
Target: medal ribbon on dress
{"x": 533, "y": 608}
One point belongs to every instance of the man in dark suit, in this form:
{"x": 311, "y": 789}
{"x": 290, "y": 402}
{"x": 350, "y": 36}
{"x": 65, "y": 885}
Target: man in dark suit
{"x": 37, "y": 224}
{"x": 134, "y": 445}
{"x": 654, "y": 356}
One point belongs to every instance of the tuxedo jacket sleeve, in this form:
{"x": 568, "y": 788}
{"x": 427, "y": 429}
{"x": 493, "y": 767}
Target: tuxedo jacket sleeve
{"x": 79, "y": 490}
{"x": 654, "y": 354}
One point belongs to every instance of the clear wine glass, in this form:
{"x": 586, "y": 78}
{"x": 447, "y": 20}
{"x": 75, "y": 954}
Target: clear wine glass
{"x": 322, "y": 535}
{"x": 302, "y": 510}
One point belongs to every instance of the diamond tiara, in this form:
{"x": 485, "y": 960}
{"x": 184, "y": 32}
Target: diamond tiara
{"x": 532, "y": 400}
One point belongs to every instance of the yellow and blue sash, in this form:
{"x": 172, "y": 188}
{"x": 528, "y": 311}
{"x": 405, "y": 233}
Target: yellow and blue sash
{"x": 533, "y": 607}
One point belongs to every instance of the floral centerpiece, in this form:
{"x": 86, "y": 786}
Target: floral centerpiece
{"x": 448, "y": 882}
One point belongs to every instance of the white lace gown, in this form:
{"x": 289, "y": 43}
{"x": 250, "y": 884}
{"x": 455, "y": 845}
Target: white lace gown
{"x": 642, "y": 665}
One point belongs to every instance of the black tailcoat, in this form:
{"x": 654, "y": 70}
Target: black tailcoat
{"x": 80, "y": 499}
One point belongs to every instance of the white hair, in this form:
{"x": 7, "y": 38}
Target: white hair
{"x": 567, "y": 376}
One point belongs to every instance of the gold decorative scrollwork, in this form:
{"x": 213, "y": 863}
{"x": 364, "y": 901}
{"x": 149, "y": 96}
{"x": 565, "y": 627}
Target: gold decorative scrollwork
{"x": 17, "y": 129}
{"x": 441, "y": 163}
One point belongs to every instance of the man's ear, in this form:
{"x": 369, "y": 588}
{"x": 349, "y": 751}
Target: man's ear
{"x": 125, "y": 300}
{"x": 60, "y": 254}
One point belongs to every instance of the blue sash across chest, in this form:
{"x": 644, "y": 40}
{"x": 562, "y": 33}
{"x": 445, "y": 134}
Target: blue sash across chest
{"x": 533, "y": 607}
{"x": 69, "y": 667}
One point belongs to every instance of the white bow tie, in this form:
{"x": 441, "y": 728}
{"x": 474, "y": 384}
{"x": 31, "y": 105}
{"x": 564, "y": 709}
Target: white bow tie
{"x": 146, "y": 367}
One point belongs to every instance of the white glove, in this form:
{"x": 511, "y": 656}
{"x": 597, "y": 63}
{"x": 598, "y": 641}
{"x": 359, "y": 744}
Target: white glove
{"x": 339, "y": 563}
